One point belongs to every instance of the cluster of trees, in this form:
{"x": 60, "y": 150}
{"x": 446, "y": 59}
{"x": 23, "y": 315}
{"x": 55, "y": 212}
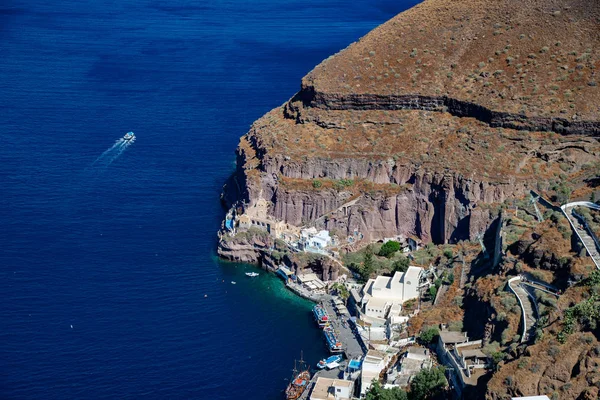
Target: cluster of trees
{"x": 370, "y": 264}
{"x": 341, "y": 290}
{"x": 427, "y": 384}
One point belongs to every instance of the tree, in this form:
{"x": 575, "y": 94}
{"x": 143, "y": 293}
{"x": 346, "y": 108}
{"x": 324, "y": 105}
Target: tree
{"x": 428, "y": 383}
{"x": 368, "y": 265}
{"x": 563, "y": 192}
{"x": 341, "y": 290}
{"x": 429, "y": 335}
{"x": 497, "y": 356}
{"x": 389, "y": 248}
{"x": 433, "y": 292}
{"x": 448, "y": 253}
{"x": 401, "y": 265}
{"x": 376, "y": 392}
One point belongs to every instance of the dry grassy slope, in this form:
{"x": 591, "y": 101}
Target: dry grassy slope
{"x": 533, "y": 57}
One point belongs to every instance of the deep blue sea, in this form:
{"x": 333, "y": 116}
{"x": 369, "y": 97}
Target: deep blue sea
{"x": 109, "y": 287}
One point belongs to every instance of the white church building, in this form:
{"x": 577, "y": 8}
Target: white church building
{"x": 384, "y": 295}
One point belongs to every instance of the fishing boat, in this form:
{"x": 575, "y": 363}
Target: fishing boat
{"x": 333, "y": 343}
{"x": 129, "y": 136}
{"x": 252, "y": 274}
{"x": 299, "y": 382}
{"x": 330, "y": 362}
{"x": 321, "y": 315}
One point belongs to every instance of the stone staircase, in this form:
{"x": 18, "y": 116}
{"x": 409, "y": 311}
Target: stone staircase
{"x": 586, "y": 238}
{"x": 579, "y": 227}
{"x": 527, "y": 307}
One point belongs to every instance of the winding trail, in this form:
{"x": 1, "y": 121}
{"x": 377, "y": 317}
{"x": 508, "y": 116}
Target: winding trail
{"x": 587, "y": 238}
{"x": 527, "y": 307}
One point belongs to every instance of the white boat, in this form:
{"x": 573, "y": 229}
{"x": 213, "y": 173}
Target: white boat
{"x": 330, "y": 363}
{"x": 252, "y": 274}
{"x": 233, "y": 282}
{"x": 129, "y": 136}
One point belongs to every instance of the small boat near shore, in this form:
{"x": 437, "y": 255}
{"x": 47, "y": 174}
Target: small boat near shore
{"x": 252, "y": 274}
{"x": 330, "y": 362}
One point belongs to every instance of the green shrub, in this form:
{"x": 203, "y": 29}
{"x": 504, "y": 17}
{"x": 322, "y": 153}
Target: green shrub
{"x": 389, "y": 248}
{"x": 428, "y": 384}
{"x": 433, "y": 292}
{"x": 401, "y": 265}
{"x": 429, "y": 335}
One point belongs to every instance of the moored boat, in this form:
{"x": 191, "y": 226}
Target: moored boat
{"x": 299, "y": 382}
{"x": 321, "y": 315}
{"x": 333, "y": 343}
{"x": 252, "y": 274}
{"x": 329, "y": 362}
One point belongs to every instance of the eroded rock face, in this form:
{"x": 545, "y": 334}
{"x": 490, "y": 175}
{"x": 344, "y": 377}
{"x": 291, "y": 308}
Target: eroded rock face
{"x": 425, "y": 128}
{"x": 440, "y": 209}
{"x": 436, "y": 206}
{"x": 243, "y": 249}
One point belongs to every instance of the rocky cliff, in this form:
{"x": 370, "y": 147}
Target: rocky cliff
{"x": 427, "y": 127}
{"x": 416, "y": 128}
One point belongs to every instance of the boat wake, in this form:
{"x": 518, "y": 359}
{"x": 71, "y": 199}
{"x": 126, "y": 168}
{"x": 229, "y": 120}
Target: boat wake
{"x": 118, "y": 151}
{"x": 115, "y": 151}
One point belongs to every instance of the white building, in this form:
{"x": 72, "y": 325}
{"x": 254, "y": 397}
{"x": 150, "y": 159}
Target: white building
{"x": 412, "y": 361}
{"x": 374, "y": 362}
{"x": 384, "y": 296}
{"x": 332, "y": 389}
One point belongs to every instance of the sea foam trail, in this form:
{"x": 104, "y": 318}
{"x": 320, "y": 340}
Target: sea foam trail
{"x": 117, "y": 144}
{"x": 118, "y": 151}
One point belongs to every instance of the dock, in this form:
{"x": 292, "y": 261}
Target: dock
{"x": 350, "y": 342}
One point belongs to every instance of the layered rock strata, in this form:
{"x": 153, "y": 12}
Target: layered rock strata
{"x": 431, "y": 121}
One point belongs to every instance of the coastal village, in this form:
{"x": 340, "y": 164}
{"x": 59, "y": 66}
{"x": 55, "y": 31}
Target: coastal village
{"x": 365, "y": 325}
{"x": 433, "y": 189}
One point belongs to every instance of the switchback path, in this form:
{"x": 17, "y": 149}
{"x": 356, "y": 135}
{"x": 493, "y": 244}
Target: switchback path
{"x": 527, "y": 307}
{"x": 590, "y": 244}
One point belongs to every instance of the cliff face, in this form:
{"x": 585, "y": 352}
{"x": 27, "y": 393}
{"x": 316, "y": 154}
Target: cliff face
{"x": 428, "y": 120}
{"x": 427, "y": 127}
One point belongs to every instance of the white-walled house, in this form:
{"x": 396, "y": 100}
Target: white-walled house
{"x": 332, "y": 389}
{"x": 372, "y": 365}
{"x": 320, "y": 240}
{"x": 385, "y": 295}
{"x": 311, "y": 238}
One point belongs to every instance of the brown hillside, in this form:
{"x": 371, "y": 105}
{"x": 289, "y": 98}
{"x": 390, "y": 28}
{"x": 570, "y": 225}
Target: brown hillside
{"x": 533, "y": 57}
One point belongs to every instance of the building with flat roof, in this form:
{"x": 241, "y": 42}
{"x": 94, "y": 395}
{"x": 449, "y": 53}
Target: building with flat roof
{"x": 465, "y": 358}
{"x": 384, "y": 293}
{"x": 332, "y": 389}
{"x": 372, "y": 365}
{"x": 413, "y": 360}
